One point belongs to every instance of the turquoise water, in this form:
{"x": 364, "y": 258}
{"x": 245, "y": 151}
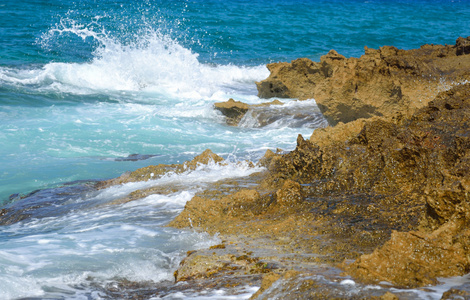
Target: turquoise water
{"x": 85, "y": 84}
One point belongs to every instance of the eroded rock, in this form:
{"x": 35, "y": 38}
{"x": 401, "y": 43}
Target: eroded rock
{"x": 413, "y": 259}
{"x": 398, "y": 185}
{"x": 153, "y": 172}
{"x": 379, "y": 83}
{"x": 232, "y": 110}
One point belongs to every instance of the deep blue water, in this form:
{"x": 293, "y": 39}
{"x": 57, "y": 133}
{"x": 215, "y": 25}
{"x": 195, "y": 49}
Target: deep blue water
{"x": 84, "y": 84}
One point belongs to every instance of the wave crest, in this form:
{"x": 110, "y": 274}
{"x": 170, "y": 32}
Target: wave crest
{"x": 152, "y": 62}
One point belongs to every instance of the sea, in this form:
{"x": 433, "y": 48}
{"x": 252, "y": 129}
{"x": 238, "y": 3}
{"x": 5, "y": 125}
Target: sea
{"x": 91, "y": 89}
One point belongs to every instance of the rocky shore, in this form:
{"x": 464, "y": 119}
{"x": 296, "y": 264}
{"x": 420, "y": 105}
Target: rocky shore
{"x": 382, "y": 194}
{"x": 379, "y": 197}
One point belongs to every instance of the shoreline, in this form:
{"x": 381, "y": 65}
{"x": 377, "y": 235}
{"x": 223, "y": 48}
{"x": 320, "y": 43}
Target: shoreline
{"x": 380, "y": 195}
{"x": 367, "y": 193}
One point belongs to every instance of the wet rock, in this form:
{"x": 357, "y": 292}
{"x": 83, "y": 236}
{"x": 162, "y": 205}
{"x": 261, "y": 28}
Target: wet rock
{"x": 235, "y": 111}
{"x": 232, "y": 110}
{"x": 216, "y": 215}
{"x": 135, "y": 157}
{"x": 298, "y": 285}
{"x": 46, "y": 203}
{"x": 457, "y": 293}
{"x": 379, "y": 83}
{"x": 390, "y": 194}
{"x": 273, "y": 113}
{"x": 207, "y": 264}
{"x": 154, "y": 172}
{"x": 413, "y": 259}
{"x": 290, "y": 194}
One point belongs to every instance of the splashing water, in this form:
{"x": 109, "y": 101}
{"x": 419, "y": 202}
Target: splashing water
{"x": 92, "y": 89}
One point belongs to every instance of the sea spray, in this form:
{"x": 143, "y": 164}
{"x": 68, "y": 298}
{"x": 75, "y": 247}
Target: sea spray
{"x": 153, "y": 62}
{"x": 85, "y": 84}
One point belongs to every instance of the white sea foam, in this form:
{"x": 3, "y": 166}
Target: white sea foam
{"x": 154, "y": 63}
{"x": 94, "y": 246}
{"x": 243, "y": 293}
{"x": 97, "y": 244}
{"x": 190, "y": 180}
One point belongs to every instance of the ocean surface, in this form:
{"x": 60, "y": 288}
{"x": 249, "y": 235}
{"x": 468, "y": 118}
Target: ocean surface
{"x": 91, "y": 89}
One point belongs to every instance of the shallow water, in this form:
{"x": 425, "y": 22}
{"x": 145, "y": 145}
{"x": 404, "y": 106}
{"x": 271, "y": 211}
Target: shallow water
{"x": 90, "y": 90}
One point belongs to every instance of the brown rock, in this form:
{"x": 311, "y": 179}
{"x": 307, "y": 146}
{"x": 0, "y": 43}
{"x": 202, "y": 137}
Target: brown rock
{"x": 412, "y": 259}
{"x": 290, "y": 194}
{"x": 153, "y": 172}
{"x": 204, "y": 158}
{"x": 456, "y": 294}
{"x": 214, "y": 215}
{"x": 389, "y": 296}
{"x": 267, "y": 282}
{"x": 340, "y": 133}
{"x": 232, "y": 110}
{"x": 379, "y": 83}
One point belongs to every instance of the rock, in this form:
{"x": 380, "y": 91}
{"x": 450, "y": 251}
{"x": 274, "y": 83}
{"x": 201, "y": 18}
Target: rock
{"x": 267, "y": 282}
{"x": 214, "y": 215}
{"x": 232, "y": 110}
{"x": 414, "y": 259}
{"x": 340, "y": 133}
{"x": 290, "y": 194}
{"x": 154, "y": 172}
{"x": 214, "y": 262}
{"x": 457, "y": 294}
{"x": 463, "y": 46}
{"x": 204, "y": 158}
{"x": 379, "y": 83}
{"x": 267, "y": 157}
{"x": 391, "y": 193}
{"x": 297, "y": 285}
{"x": 389, "y": 296}
{"x": 263, "y": 114}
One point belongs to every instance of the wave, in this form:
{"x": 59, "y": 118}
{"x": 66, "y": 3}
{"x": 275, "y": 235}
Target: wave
{"x": 152, "y": 62}
{"x": 73, "y": 243}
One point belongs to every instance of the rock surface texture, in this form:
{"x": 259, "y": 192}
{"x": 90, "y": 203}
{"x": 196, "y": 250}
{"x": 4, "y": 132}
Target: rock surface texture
{"x": 392, "y": 194}
{"x": 389, "y": 193}
{"x": 379, "y": 83}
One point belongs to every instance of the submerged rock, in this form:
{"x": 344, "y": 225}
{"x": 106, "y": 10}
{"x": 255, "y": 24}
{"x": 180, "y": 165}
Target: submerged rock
{"x": 274, "y": 113}
{"x": 379, "y": 83}
{"x": 234, "y": 111}
{"x": 155, "y": 171}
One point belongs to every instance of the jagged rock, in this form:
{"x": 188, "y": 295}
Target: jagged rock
{"x": 232, "y": 110}
{"x": 153, "y": 172}
{"x": 290, "y": 194}
{"x": 413, "y": 259}
{"x": 379, "y": 83}
{"x": 399, "y": 185}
